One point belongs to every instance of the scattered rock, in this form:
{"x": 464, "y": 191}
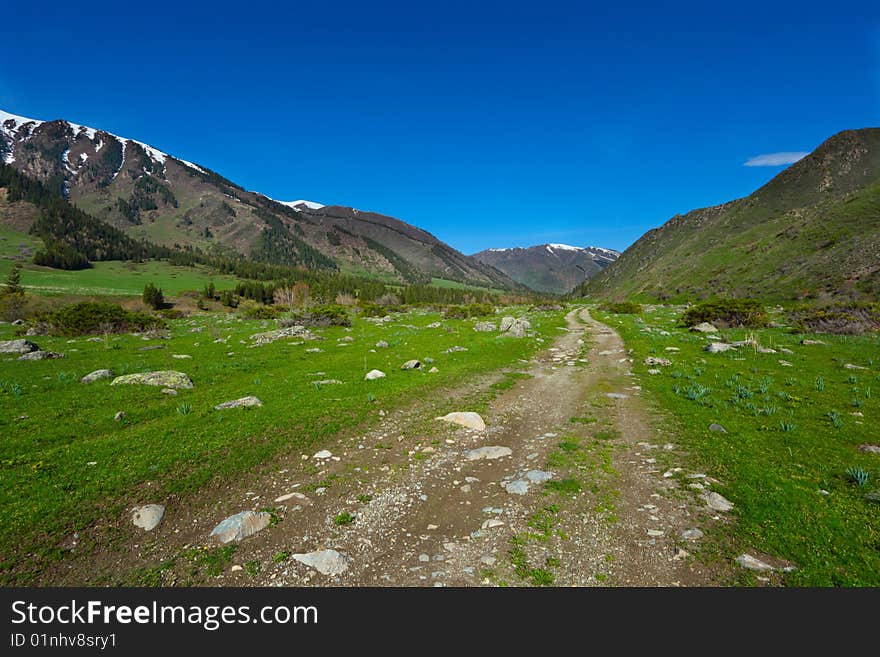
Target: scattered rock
{"x": 97, "y": 375}
{"x": 485, "y": 327}
{"x": 847, "y": 366}
{"x": 870, "y": 449}
{"x": 327, "y": 382}
{"x": 616, "y": 395}
{"x": 241, "y": 525}
{"x": 323, "y": 454}
{"x": 169, "y": 391}
{"x": 411, "y": 365}
{"x": 181, "y": 356}
{"x": 704, "y": 327}
{"x": 381, "y": 344}
{"x": 654, "y": 372}
{"x": 506, "y": 323}
{"x": 455, "y": 349}
{"x": 490, "y": 452}
{"x": 753, "y": 563}
{"x": 652, "y": 361}
{"x": 164, "y": 379}
{"x": 120, "y": 416}
{"x": 491, "y": 523}
{"x": 40, "y": 355}
{"x": 299, "y": 497}
{"x": 433, "y": 325}
{"x": 716, "y": 502}
{"x": 297, "y": 331}
{"x": 654, "y": 533}
{"x": 148, "y": 517}
{"x": 692, "y": 534}
{"x": 678, "y": 554}
{"x": 717, "y": 427}
{"x": 326, "y": 562}
{"x": 806, "y": 341}
{"x": 466, "y": 419}
{"x": 519, "y": 328}
{"x": 17, "y": 347}
{"x": 433, "y": 370}
{"x": 244, "y": 402}
{"x": 785, "y": 363}
{"x": 372, "y": 375}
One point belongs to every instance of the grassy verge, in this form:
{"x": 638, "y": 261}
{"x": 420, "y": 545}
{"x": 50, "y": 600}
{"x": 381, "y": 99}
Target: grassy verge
{"x": 792, "y": 442}
{"x": 66, "y": 463}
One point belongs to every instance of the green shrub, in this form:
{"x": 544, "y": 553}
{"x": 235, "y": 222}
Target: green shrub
{"x": 252, "y": 310}
{"x": 622, "y": 308}
{"x": 841, "y": 318}
{"x": 327, "y": 315}
{"x": 89, "y": 317}
{"x": 470, "y": 310}
{"x": 153, "y": 296}
{"x": 375, "y": 310}
{"x": 727, "y": 313}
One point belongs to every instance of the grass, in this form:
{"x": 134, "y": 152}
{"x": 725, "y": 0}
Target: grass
{"x": 104, "y": 278}
{"x": 791, "y": 439}
{"x": 54, "y": 427}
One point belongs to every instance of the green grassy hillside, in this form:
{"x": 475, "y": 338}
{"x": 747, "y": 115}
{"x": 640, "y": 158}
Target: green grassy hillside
{"x": 811, "y": 232}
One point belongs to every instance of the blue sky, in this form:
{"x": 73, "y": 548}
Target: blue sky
{"x": 489, "y": 124}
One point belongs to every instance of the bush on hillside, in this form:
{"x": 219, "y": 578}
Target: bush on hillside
{"x": 248, "y": 309}
{"x": 375, "y": 310}
{"x": 89, "y": 317}
{"x": 727, "y": 313}
{"x": 840, "y": 318}
{"x": 622, "y": 308}
{"x": 326, "y": 315}
{"x": 153, "y": 296}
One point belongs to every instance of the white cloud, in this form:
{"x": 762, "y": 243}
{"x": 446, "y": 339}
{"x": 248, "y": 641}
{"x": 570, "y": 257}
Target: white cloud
{"x": 774, "y": 159}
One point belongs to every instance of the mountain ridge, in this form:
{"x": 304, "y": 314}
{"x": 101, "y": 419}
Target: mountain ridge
{"x": 165, "y": 199}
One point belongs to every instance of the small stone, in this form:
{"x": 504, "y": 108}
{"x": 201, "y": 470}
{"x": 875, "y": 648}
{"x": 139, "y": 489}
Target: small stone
{"x": 466, "y": 419}
{"x": 491, "y": 523}
{"x": 119, "y": 416}
{"x": 169, "y": 391}
{"x": 40, "y": 355}
{"x": 718, "y": 347}
{"x": 433, "y": 370}
{"x": 372, "y": 375}
{"x": 616, "y": 395}
{"x": 244, "y": 402}
{"x": 717, "y": 502}
{"x": 326, "y": 562}
{"x": 489, "y": 452}
{"x": 692, "y": 534}
{"x": 655, "y": 532}
{"x": 652, "y": 361}
{"x": 236, "y": 568}
{"x": 704, "y": 327}
{"x": 518, "y": 487}
{"x": 870, "y": 449}
{"x": 241, "y": 525}
{"x": 538, "y": 476}
{"x": 148, "y": 517}
{"x": 678, "y": 554}
{"x": 411, "y": 365}
{"x": 323, "y": 454}
{"x": 717, "y": 427}
{"x": 752, "y": 563}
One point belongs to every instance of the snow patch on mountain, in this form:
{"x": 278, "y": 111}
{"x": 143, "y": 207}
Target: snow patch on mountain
{"x": 298, "y": 205}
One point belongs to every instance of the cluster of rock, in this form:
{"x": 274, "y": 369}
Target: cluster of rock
{"x": 509, "y": 326}
{"x": 163, "y": 378}
{"x": 296, "y": 331}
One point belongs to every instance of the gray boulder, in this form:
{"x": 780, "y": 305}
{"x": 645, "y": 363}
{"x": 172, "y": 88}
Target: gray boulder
{"x": 17, "y": 347}
{"x": 704, "y": 327}
{"x": 241, "y": 525}
{"x": 244, "y": 402}
{"x": 40, "y": 355}
{"x": 326, "y": 562}
{"x": 163, "y": 379}
{"x": 411, "y": 365}
{"x": 97, "y": 375}
{"x": 148, "y": 517}
{"x": 490, "y": 453}
{"x": 718, "y": 347}
{"x": 485, "y": 327}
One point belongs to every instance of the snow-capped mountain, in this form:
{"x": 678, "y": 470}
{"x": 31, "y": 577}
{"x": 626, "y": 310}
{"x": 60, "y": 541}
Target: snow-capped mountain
{"x": 555, "y": 268}
{"x": 165, "y": 199}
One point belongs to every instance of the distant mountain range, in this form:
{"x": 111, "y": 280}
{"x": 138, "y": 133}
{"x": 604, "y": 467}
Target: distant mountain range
{"x": 174, "y": 202}
{"x": 553, "y": 268}
{"x": 811, "y": 232}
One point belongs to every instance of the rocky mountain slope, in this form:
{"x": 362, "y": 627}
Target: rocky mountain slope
{"x": 553, "y": 268}
{"x": 171, "y": 201}
{"x": 811, "y": 232}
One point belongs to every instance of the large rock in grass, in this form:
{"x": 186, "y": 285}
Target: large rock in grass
{"x": 326, "y": 562}
{"x": 372, "y": 375}
{"x": 17, "y": 347}
{"x": 717, "y": 502}
{"x": 465, "y": 419}
{"x": 518, "y": 328}
{"x": 485, "y": 327}
{"x": 241, "y": 525}
{"x": 704, "y": 327}
{"x": 163, "y": 379}
{"x": 97, "y": 375}
{"x": 506, "y": 323}
{"x": 244, "y": 402}
{"x": 40, "y": 355}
